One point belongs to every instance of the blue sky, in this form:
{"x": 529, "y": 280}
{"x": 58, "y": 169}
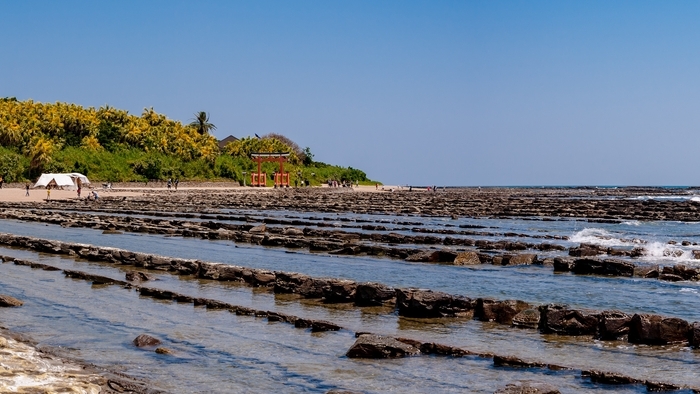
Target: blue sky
{"x": 430, "y": 92}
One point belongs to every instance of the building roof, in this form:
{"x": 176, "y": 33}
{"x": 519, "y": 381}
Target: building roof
{"x": 230, "y": 138}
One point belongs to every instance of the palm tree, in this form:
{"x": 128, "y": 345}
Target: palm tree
{"x": 201, "y": 123}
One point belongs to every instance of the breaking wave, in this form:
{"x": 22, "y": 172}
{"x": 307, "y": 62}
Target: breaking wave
{"x": 653, "y": 250}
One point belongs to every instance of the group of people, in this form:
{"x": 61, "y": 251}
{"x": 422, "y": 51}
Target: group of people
{"x": 333, "y": 183}
{"x": 171, "y": 183}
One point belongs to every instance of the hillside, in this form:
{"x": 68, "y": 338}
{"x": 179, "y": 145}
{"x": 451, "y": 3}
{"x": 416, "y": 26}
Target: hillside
{"x": 109, "y": 144}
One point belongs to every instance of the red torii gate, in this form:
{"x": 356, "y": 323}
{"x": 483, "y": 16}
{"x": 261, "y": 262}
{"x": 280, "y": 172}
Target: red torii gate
{"x": 259, "y": 179}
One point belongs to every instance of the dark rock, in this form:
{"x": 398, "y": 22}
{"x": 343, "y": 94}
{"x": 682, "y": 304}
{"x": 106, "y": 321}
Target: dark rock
{"x": 426, "y": 303}
{"x": 499, "y": 311}
{"x": 609, "y": 378}
{"x": 509, "y": 361}
{"x": 163, "y": 350}
{"x": 527, "y": 388}
{"x": 156, "y": 293}
{"x": 339, "y": 291}
{"x": 670, "y": 277}
{"x": 617, "y": 268}
{"x": 562, "y": 264}
{"x": 137, "y": 276}
{"x": 144, "y": 340}
{"x": 8, "y": 301}
{"x": 438, "y": 349}
{"x": 588, "y": 266}
{"x": 612, "y": 325}
{"x": 659, "y": 387}
{"x": 559, "y": 319}
{"x": 289, "y": 282}
{"x": 529, "y": 318}
{"x": 321, "y": 325}
{"x": 687, "y": 273}
{"x": 375, "y": 346}
{"x": 373, "y": 294}
{"x": 645, "y": 271}
{"x": 657, "y": 330}
{"x": 586, "y": 250}
{"x": 694, "y": 336}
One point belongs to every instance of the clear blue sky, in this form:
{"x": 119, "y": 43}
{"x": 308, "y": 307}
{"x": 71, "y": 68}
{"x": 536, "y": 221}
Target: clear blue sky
{"x": 432, "y": 92}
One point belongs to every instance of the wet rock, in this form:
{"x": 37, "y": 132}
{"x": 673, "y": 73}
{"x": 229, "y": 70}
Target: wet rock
{"x": 645, "y": 271}
{"x": 694, "y": 337}
{"x": 519, "y": 259}
{"x": 95, "y": 279}
{"x": 426, "y": 303}
{"x": 612, "y": 325}
{"x": 696, "y": 254}
{"x": 293, "y": 231}
{"x": 653, "y": 386}
{"x": 687, "y": 273}
{"x": 609, "y": 377}
{"x": 322, "y": 325}
{"x": 559, "y": 319}
{"x": 163, "y": 350}
{"x": 258, "y": 229}
{"x": 528, "y": 318}
{"x": 670, "y": 278}
{"x": 339, "y": 291}
{"x": 430, "y": 256}
{"x": 510, "y": 361}
{"x": 527, "y": 388}
{"x": 289, "y": 282}
{"x": 562, "y": 264}
{"x": 9, "y": 301}
{"x": 657, "y": 330}
{"x": 586, "y": 250}
{"x": 499, "y": 311}
{"x": 440, "y": 350}
{"x": 589, "y": 266}
{"x": 375, "y": 346}
{"x": 467, "y": 258}
{"x": 145, "y": 340}
{"x": 156, "y": 293}
{"x": 3, "y": 342}
{"x": 137, "y": 276}
{"x": 373, "y": 294}
{"x": 613, "y": 267}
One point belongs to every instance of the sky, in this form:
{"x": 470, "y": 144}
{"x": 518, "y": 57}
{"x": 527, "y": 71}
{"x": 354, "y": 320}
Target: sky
{"x": 472, "y": 93}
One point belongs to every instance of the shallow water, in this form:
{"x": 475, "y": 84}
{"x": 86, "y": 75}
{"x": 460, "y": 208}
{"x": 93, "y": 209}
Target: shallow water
{"x": 216, "y": 351}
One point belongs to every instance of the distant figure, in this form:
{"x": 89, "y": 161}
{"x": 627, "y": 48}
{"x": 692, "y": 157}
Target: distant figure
{"x": 26, "y": 188}
{"x": 170, "y": 182}
{"x": 79, "y": 189}
{"x": 94, "y": 194}
{"x": 48, "y": 193}
{"x": 1, "y": 181}
{"x": 376, "y": 186}
{"x": 177, "y": 182}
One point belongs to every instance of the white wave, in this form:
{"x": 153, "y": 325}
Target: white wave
{"x": 660, "y": 250}
{"x": 632, "y": 223}
{"x": 696, "y": 199}
{"x": 689, "y": 290}
{"x": 597, "y": 236}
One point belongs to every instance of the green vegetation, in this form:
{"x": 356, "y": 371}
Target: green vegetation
{"x": 108, "y": 144}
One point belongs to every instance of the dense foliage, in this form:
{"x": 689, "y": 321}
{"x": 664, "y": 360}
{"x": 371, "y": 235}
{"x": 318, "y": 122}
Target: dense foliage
{"x": 109, "y": 144}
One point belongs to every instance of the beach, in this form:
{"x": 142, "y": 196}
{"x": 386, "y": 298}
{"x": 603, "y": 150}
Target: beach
{"x": 472, "y": 289}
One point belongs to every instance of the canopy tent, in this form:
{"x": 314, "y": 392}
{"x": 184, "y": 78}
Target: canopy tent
{"x": 64, "y": 181}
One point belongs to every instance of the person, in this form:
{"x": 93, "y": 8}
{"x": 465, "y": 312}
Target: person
{"x": 1, "y": 181}
{"x": 170, "y": 182}
{"x": 48, "y": 193}
{"x": 79, "y": 189}
{"x": 26, "y": 188}
{"x": 94, "y": 194}
{"x": 177, "y": 182}
{"x": 376, "y": 186}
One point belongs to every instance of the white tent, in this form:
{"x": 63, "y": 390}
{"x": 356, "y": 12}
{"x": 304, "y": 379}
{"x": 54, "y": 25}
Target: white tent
{"x": 64, "y": 181}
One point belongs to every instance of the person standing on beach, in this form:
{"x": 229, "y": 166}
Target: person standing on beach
{"x": 170, "y": 182}
{"x": 177, "y": 182}
{"x": 79, "y": 189}
{"x": 48, "y": 193}
{"x": 1, "y": 181}
{"x": 27, "y": 188}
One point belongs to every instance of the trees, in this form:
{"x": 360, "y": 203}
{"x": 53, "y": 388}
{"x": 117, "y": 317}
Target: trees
{"x": 201, "y": 123}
